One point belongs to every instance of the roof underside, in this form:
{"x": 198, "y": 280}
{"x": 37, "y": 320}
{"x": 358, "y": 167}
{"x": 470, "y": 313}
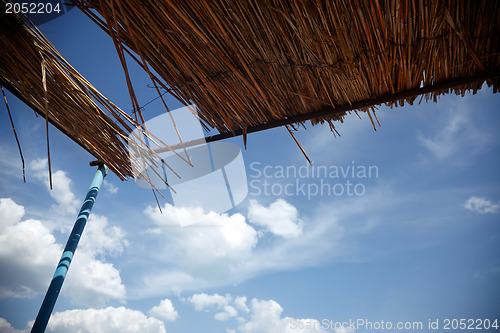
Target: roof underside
{"x": 248, "y": 65}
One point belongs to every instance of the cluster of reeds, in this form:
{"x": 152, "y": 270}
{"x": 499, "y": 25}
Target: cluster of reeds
{"x": 33, "y": 70}
{"x": 245, "y": 63}
{"x": 249, "y": 63}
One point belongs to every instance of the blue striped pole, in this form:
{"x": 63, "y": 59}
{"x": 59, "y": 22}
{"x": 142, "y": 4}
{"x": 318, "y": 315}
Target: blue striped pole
{"x": 62, "y": 268}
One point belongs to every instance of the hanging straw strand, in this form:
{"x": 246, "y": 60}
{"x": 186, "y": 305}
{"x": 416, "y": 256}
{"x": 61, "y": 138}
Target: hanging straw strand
{"x": 15, "y": 134}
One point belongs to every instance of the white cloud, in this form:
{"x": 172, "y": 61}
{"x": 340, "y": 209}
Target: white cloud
{"x": 456, "y": 132}
{"x": 40, "y": 164}
{"x": 344, "y": 330}
{"x": 10, "y": 213}
{"x": 99, "y": 238}
{"x": 205, "y": 301}
{"x": 107, "y": 320}
{"x": 210, "y": 249}
{"x": 6, "y": 327}
{"x": 110, "y": 187}
{"x": 61, "y": 187}
{"x": 180, "y": 216}
{"x": 164, "y": 311}
{"x": 241, "y": 303}
{"x": 214, "y": 302}
{"x": 223, "y": 249}
{"x": 266, "y": 318}
{"x": 318, "y": 243}
{"x": 280, "y": 218}
{"x": 263, "y": 316}
{"x": 91, "y": 282}
{"x": 444, "y": 143}
{"x": 481, "y": 205}
{"x": 29, "y": 252}
{"x": 228, "y": 312}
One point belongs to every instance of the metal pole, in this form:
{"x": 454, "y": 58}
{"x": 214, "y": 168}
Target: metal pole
{"x": 62, "y": 268}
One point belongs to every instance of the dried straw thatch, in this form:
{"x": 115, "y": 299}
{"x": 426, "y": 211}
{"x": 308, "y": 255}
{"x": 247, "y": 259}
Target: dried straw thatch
{"x": 33, "y": 70}
{"x": 254, "y": 64}
{"x": 247, "y": 63}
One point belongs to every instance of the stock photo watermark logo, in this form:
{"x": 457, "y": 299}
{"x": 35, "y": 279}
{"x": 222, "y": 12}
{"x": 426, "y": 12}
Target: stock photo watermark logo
{"x": 216, "y": 179}
{"x": 38, "y": 12}
{"x": 310, "y": 180}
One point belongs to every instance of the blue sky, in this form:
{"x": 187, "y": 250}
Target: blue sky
{"x": 419, "y": 239}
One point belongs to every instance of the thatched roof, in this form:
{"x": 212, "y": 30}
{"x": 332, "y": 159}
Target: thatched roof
{"x": 33, "y": 70}
{"x": 251, "y": 65}
{"x": 245, "y": 63}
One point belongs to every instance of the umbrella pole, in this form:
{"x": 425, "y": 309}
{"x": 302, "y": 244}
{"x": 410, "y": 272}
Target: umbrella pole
{"x": 62, "y": 268}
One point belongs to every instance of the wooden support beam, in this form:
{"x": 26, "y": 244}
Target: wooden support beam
{"x": 330, "y": 110}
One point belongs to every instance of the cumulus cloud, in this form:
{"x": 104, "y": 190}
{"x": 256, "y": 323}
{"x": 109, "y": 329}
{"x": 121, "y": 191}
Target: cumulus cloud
{"x": 109, "y": 187}
{"x": 266, "y": 318}
{"x": 262, "y": 316}
{"x": 228, "y": 312}
{"x": 101, "y": 239}
{"x": 280, "y": 218}
{"x": 10, "y": 213}
{"x": 107, "y": 320}
{"x": 6, "y": 327}
{"x": 214, "y": 250}
{"x": 29, "y": 253}
{"x": 210, "y": 249}
{"x": 214, "y": 302}
{"x": 481, "y": 205}
{"x": 181, "y": 216}
{"x": 205, "y": 301}
{"x": 241, "y": 303}
{"x": 66, "y": 202}
{"x": 164, "y": 311}
{"x": 92, "y": 282}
